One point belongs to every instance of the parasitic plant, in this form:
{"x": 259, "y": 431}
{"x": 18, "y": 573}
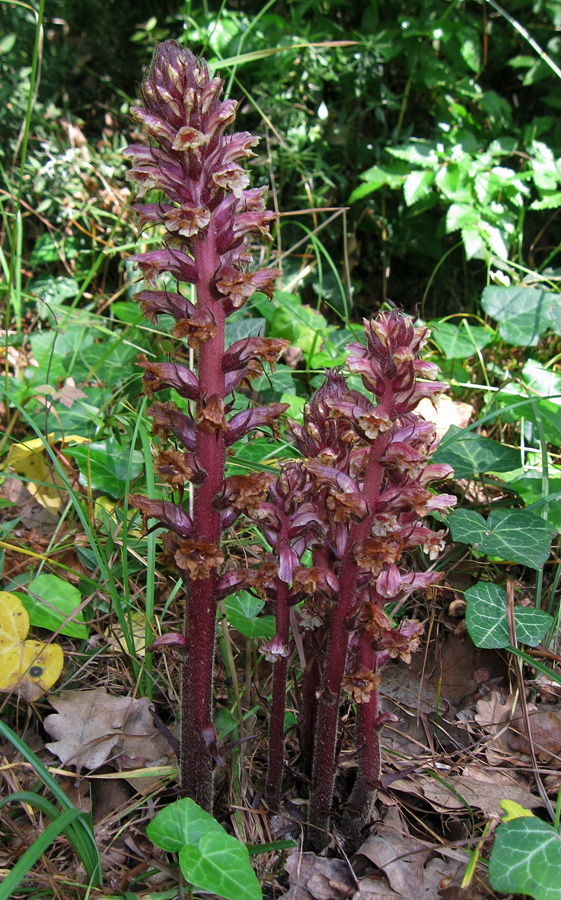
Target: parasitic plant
{"x": 199, "y": 195}
{"x": 368, "y": 458}
{"x": 355, "y": 499}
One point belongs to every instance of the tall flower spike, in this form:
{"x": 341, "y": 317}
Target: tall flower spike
{"x": 208, "y": 214}
{"x": 373, "y": 484}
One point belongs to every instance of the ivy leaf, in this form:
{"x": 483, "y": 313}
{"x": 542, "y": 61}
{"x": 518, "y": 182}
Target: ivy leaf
{"x": 487, "y": 623}
{"x": 460, "y": 342}
{"x": 523, "y": 313}
{"x": 51, "y": 601}
{"x": 180, "y": 823}
{"x": 469, "y": 454}
{"x": 243, "y": 610}
{"x": 104, "y": 465}
{"x": 509, "y": 534}
{"x": 526, "y": 859}
{"x": 210, "y": 859}
{"x": 220, "y": 864}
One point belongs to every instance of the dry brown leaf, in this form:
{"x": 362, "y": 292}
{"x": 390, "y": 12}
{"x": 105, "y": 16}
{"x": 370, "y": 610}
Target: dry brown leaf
{"x": 545, "y": 726}
{"x": 313, "y": 878}
{"x": 399, "y": 855}
{"x": 466, "y": 791}
{"x": 91, "y": 726}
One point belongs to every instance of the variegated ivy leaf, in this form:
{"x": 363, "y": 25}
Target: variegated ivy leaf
{"x": 486, "y": 618}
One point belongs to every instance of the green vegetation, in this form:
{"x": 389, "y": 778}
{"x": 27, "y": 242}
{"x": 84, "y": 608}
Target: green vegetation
{"x": 414, "y": 154}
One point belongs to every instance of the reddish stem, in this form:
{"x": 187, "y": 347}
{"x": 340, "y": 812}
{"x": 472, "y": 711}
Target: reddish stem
{"x": 200, "y": 618}
{"x": 273, "y": 790}
{"x": 328, "y": 708}
{"x": 359, "y": 808}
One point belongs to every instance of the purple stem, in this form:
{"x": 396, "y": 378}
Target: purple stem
{"x": 200, "y": 618}
{"x": 323, "y": 779}
{"x": 359, "y": 807}
{"x": 273, "y": 790}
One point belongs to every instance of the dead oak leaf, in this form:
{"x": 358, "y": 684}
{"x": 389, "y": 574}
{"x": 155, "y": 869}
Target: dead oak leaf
{"x": 464, "y": 792}
{"x": 313, "y": 878}
{"x": 91, "y": 726}
{"x": 399, "y": 855}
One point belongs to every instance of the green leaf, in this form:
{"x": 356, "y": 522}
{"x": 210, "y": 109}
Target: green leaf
{"x": 417, "y": 185}
{"x": 418, "y": 153}
{"x": 460, "y": 215}
{"x": 180, "y": 823}
{"x": 487, "y": 624}
{"x": 470, "y": 454}
{"x": 210, "y": 859}
{"x": 523, "y": 313}
{"x": 103, "y": 465}
{"x": 537, "y": 410}
{"x": 541, "y": 380}
{"x": 460, "y": 342}
{"x": 529, "y": 487}
{"x": 220, "y": 864}
{"x": 54, "y": 600}
{"x": 509, "y": 534}
{"x": 242, "y": 610}
{"x": 526, "y": 859}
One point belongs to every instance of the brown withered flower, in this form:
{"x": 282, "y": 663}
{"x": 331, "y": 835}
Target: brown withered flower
{"x": 361, "y": 684}
{"x": 199, "y": 558}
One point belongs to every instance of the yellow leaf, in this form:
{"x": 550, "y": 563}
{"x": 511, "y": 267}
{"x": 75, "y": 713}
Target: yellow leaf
{"x": 31, "y": 462}
{"x": 117, "y": 639}
{"x": 514, "y": 811}
{"x": 29, "y": 667}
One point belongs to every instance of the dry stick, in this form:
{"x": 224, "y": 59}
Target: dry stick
{"x": 522, "y": 694}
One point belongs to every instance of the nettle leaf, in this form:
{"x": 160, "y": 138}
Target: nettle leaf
{"x": 513, "y": 535}
{"x": 210, "y": 859}
{"x": 417, "y": 185}
{"x": 243, "y": 610}
{"x": 417, "y": 152}
{"x": 487, "y": 623}
{"x": 470, "y": 454}
{"x": 461, "y": 215}
{"x": 523, "y": 313}
{"x": 526, "y": 859}
{"x": 460, "y": 342}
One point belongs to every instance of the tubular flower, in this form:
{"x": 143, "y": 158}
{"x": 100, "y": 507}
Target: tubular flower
{"x": 191, "y": 181}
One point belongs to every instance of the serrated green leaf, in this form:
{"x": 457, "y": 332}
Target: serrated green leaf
{"x": 49, "y": 603}
{"x": 470, "y": 454}
{"x": 461, "y": 215}
{"x": 526, "y": 859}
{"x": 418, "y": 152}
{"x": 510, "y": 534}
{"x": 417, "y": 185}
{"x": 548, "y": 201}
{"x": 220, "y": 864}
{"x": 487, "y": 624}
